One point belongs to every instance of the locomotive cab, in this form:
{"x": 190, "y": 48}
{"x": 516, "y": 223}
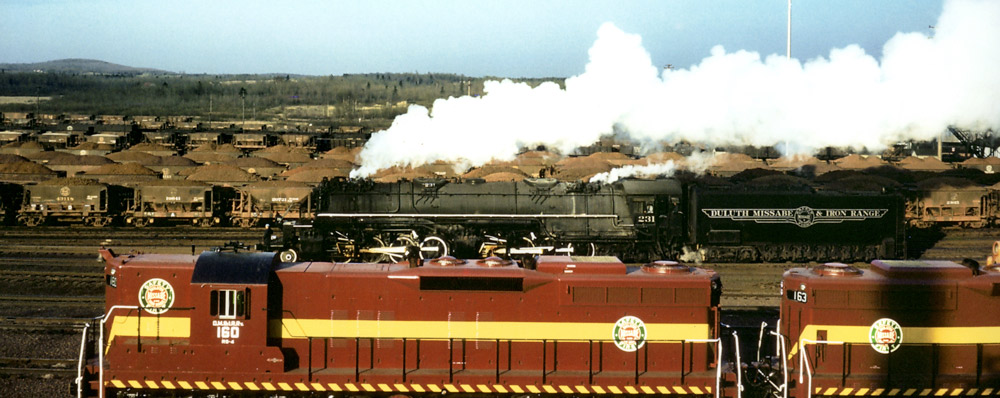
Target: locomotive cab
{"x": 173, "y": 320}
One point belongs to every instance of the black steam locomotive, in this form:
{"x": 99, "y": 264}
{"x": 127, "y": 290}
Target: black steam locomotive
{"x": 637, "y": 220}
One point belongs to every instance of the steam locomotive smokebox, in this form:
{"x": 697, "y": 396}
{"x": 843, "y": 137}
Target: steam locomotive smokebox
{"x": 903, "y": 324}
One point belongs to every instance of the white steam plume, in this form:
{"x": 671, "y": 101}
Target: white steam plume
{"x": 920, "y": 86}
{"x": 665, "y": 169}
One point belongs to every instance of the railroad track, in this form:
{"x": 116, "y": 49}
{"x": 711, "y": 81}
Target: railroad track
{"x": 52, "y": 275}
{"x": 45, "y": 323}
{"x": 55, "y": 301}
{"x": 38, "y": 366}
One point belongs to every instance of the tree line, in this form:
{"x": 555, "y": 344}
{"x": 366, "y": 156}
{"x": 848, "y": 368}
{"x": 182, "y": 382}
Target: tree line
{"x": 375, "y": 97}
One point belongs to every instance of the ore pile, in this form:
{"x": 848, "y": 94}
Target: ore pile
{"x": 70, "y": 181}
{"x": 987, "y": 165}
{"x": 219, "y": 174}
{"x": 315, "y": 171}
{"x": 490, "y": 173}
{"x": 581, "y": 168}
{"x": 262, "y": 167}
{"x": 72, "y": 165}
{"x": 22, "y": 148}
{"x": 915, "y": 163}
{"x": 863, "y": 183}
{"x": 803, "y": 166}
{"x": 285, "y": 155}
{"x": 127, "y": 174}
{"x": 343, "y": 153}
{"x": 89, "y": 148}
{"x": 726, "y": 164}
{"x": 153, "y": 149}
{"x": 214, "y": 153}
{"x": 25, "y": 172}
{"x": 855, "y": 162}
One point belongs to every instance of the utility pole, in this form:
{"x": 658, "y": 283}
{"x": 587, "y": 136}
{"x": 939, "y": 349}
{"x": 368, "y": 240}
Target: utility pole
{"x": 788, "y": 48}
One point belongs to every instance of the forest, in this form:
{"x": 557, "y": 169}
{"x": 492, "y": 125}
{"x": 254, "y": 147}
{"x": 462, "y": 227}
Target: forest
{"x": 372, "y": 99}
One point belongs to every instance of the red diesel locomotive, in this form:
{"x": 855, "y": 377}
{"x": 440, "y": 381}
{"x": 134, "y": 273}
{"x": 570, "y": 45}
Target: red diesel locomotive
{"x": 899, "y": 329}
{"x": 225, "y": 323}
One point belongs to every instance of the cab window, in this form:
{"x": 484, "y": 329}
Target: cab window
{"x": 230, "y": 304}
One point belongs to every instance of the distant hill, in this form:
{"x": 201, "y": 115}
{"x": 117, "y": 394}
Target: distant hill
{"x": 76, "y": 65}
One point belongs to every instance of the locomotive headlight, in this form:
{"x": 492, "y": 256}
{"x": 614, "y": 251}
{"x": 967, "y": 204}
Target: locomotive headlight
{"x": 802, "y": 286}
{"x": 70, "y": 207}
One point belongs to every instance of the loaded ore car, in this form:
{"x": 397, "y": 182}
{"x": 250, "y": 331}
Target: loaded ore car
{"x": 271, "y": 201}
{"x": 901, "y": 328}
{"x": 633, "y": 219}
{"x": 768, "y": 224}
{"x": 244, "y": 324}
{"x": 73, "y": 200}
{"x": 950, "y": 201}
{"x": 173, "y": 201}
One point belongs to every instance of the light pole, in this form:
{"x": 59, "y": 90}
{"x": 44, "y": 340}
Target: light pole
{"x": 788, "y": 48}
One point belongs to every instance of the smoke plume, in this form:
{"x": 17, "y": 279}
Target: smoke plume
{"x": 920, "y": 86}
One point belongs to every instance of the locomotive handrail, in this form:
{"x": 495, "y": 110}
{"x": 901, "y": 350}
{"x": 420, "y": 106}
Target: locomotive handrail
{"x": 79, "y": 365}
{"x": 782, "y": 352}
{"x": 100, "y": 351}
{"x": 804, "y": 363}
{"x": 739, "y": 372}
{"x": 718, "y": 362}
{"x": 458, "y": 215}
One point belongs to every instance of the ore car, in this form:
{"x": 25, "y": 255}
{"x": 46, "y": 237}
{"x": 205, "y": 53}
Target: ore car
{"x": 252, "y": 141}
{"x": 950, "y": 201}
{"x": 794, "y": 225}
{"x": 271, "y": 201}
{"x": 173, "y": 201}
{"x": 902, "y": 328}
{"x": 245, "y": 324}
{"x": 74, "y": 200}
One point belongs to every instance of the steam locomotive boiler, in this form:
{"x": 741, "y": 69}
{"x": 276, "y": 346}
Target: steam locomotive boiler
{"x": 634, "y": 219}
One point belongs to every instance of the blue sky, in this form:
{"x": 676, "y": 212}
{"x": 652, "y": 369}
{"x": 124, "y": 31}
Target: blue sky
{"x": 475, "y": 38}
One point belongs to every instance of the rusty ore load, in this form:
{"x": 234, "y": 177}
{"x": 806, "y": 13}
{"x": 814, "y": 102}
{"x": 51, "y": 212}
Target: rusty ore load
{"x": 271, "y": 201}
{"x": 173, "y": 201}
{"x": 72, "y": 200}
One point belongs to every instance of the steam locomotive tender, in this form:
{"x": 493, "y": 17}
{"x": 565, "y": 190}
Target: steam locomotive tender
{"x": 245, "y": 324}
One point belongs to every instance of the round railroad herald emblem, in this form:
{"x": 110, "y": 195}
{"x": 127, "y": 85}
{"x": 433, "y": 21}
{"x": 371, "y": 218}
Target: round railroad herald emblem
{"x": 156, "y": 296}
{"x": 629, "y": 333}
{"x": 885, "y": 335}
